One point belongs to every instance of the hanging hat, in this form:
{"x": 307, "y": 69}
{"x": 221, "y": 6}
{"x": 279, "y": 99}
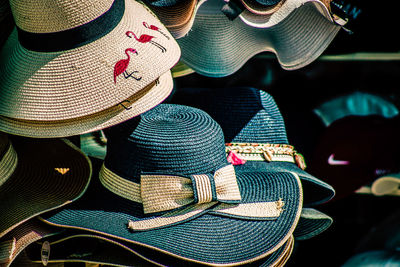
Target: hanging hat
{"x": 166, "y": 184}
{"x": 80, "y": 66}
{"x": 355, "y": 150}
{"x": 38, "y": 175}
{"x": 15, "y": 241}
{"x": 255, "y": 130}
{"x": 217, "y": 46}
{"x": 177, "y": 18}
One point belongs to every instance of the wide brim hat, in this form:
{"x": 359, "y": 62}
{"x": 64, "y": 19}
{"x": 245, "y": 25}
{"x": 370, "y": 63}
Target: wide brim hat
{"x": 348, "y": 154}
{"x": 121, "y": 112}
{"x": 177, "y": 18}
{"x": 38, "y": 175}
{"x": 248, "y": 115}
{"x": 312, "y": 222}
{"x": 78, "y": 59}
{"x": 184, "y": 140}
{"x": 14, "y": 242}
{"x": 217, "y": 46}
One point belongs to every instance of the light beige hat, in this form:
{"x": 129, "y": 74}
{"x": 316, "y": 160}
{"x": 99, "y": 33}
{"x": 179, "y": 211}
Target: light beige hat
{"x": 297, "y": 33}
{"x": 81, "y": 58}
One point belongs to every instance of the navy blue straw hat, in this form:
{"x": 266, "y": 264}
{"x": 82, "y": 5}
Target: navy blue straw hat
{"x": 166, "y": 184}
{"x": 252, "y": 124}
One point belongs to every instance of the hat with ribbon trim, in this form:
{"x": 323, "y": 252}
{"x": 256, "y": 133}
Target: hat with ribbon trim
{"x": 217, "y": 46}
{"x": 79, "y": 66}
{"x": 255, "y": 134}
{"x": 38, "y": 175}
{"x": 166, "y": 184}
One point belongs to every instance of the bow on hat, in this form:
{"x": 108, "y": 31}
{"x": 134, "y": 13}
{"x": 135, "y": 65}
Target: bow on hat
{"x": 165, "y": 192}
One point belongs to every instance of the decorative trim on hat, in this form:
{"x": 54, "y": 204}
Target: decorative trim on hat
{"x": 8, "y": 164}
{"x": 266, "y": 152}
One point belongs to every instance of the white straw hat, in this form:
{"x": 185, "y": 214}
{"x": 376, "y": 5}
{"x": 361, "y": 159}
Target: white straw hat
{"x": 217, "y": 46}
{"x": 81, "y": 57}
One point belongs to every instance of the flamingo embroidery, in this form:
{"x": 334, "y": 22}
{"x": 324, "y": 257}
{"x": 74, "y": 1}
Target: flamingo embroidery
{"x": 122, "y": 65}
{"x": 154, "y": 28}
{"x": 144, "y": 38}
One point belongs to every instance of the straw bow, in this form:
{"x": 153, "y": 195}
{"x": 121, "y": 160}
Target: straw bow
{"x": 165, "y": 192}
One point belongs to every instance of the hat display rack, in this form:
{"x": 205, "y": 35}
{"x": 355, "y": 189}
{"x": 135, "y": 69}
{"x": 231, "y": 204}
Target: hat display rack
{"x": 151, "y": 133}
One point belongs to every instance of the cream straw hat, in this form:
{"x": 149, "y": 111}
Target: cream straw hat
{"x": 78, "y": 58}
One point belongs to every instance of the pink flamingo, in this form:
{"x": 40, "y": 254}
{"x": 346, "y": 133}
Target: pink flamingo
{"x": 144, "y": 38}
{"x": 122, "y": 65}
{"x": 154, "y": 28}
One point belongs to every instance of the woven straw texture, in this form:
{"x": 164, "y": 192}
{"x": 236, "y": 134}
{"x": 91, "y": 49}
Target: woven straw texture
{"x": 24, "y": 235}
{"x": 263, "y": 7}
{"x": 248, "y": 115}
{"x": 35, "y": 186}
{"x": 134, "y": 105}
{"x": 218, "y": 47}
{"x": 174, "y": 139}
{"x": 51, "y": 86}
{"x": 311, "y": 223}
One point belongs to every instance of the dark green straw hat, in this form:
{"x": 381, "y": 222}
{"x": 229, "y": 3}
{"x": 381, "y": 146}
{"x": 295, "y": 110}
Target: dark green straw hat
{"x": 166, "y": 185}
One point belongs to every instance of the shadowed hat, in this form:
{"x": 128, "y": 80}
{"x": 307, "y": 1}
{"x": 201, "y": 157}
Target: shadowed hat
{"x": 166, "y": 184}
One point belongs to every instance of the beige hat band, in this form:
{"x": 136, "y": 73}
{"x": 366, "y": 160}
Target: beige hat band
{"x": 8, "y": 164}
{"x": 75, "y": 37}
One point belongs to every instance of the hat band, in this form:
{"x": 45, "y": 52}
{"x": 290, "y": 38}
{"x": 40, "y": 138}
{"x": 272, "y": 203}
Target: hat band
{"x": 8, "y": 164}
{"x": 75, "y": 37}
{"x": 132, "y": 191}
{"x": 266, "y": 152}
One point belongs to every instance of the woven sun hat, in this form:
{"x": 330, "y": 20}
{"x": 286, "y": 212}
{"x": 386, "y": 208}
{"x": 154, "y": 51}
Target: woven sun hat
{"x": 166, "y": 184}
{"x": 354, "y": 151}
{"x": 312, "y": 222}
{"x": 38, "y": 175}
{"x": 255, "y": 133}
{"x": 69, "y": 62}
{"x": 177, "y": 18}
{"x": 217, "y": 46}
{"x": 180, "y": 70}
{"x": 14, "y": 242}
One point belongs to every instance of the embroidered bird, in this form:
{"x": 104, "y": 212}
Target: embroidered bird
{"x": 154, "y": 28}
{"x": 121, "y": 66}
{"x": 144, "y": 38}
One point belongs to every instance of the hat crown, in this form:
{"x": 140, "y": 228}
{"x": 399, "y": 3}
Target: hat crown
{"x": 46, "y": 16}
{"x": 169, "y": 139}
{"x": 246, "y": 115}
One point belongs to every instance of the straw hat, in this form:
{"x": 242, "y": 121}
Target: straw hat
{"x": 155, "y": 189}
{"x": 252, "y": 123}
{"x": 14, "y": 242}
{"x": 217, "y": 46}
{"x": 38, "y": 175}
{"x": 177, "y": 18}
{"x": 79, "y": 59}
{"x": 312, "y": 222}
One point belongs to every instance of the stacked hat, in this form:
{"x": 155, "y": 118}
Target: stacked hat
{"x": 255, "y": 130}
{"x": 166, "y": 184}
{"x": 297, "y": 33}
{"x": 81, "y": 66}
{"x": 176, "y": 15}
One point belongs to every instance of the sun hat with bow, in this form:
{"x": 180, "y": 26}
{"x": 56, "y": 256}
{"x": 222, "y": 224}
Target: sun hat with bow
{"x": 255, "y": 131}
{"x": 38, "y": 175}
{"x": 79, "y": 66}
{"x": 166, "y": 184}
{"x": 217, "y": 46}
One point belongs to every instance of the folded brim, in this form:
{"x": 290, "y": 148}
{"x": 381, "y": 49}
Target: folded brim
{"x": 36, "y": 186}
{"x": 209, "y": 238}
{"x": 133, "y": 106}
{"x": 218, "y": 47}
{"x": 43, "y": 86}
{"x": 312, "y": 222}
{"x": 21, "y": 237}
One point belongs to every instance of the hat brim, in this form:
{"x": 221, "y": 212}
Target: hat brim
{"x": 207, "y": 238}
{"x": 312, "y": 222}
{"x": 36, "y": 186}
{"x": 51, "y": 86}
{"x": 262, "y": 9}
{"x": 218, "y": 47}
{"x": 133, "y": 106}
